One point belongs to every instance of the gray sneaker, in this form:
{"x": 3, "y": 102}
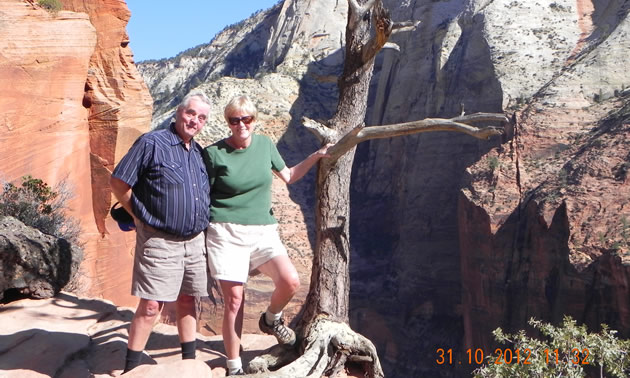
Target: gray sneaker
{"x": 283, "y": 334}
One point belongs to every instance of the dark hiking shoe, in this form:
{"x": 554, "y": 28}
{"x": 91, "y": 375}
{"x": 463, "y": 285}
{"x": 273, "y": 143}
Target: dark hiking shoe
{"x": 239, "y": 372}
{"x": 283, "y": 334}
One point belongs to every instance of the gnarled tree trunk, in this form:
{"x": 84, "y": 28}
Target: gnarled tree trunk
{"x": 327, "y": 341}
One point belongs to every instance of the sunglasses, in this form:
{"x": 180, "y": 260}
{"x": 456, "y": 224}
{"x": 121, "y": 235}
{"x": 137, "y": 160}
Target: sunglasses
{"x": 237, "y": 120}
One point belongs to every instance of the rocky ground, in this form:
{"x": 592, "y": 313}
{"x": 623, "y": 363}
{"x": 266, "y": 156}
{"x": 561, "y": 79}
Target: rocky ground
{"x": 69, "y": 336}
{"x": 72, "y": 337}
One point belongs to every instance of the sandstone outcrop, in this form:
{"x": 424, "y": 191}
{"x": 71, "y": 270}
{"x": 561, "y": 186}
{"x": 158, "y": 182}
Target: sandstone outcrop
{"x": 34, "y": 264}
{"x": 119, "y": 106}
{"x": 72, "y": 103}
{"x": 555, "y": 206}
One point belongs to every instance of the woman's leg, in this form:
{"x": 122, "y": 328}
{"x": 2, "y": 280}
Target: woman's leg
{"x": 287, "y": 282}
{"x": 285, "y": 278}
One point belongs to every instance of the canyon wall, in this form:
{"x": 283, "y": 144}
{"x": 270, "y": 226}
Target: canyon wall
{"x": 72, "y": 104}
{"x": 467, "y": 242}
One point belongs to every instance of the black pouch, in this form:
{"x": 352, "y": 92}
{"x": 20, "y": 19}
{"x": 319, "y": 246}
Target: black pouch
{"x": 120, "y": 215}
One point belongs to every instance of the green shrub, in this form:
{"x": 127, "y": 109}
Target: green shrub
{"x": 38, "y": 205}
{"x": 53, "y": 6}
{"x": 493, "y": 163}
{"x": 567, "y": 351}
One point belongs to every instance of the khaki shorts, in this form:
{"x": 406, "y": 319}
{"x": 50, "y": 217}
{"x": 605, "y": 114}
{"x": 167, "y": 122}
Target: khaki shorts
{"x": 166, "y": 266}
{"x": 235, "y": 250}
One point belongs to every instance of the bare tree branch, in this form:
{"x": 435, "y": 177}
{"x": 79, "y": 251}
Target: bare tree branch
{"x": 383, "y": 29}
{"x": 425, "y": 125}
{"x": 481, "y": 117}
{"x": 357, "y": 10}
{"x": 404, "y": 26}
{"x": 345, "y": 143}
{"x": 391, "y": 45}
{"x": 459, "y": 124}
{"x": 321, "y": 131}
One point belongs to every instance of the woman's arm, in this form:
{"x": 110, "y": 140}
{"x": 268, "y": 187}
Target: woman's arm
{"x": 293, "y": 174}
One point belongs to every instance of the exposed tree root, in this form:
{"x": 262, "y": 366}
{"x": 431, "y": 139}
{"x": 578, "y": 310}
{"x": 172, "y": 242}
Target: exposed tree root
{"x": 327, "y": 347}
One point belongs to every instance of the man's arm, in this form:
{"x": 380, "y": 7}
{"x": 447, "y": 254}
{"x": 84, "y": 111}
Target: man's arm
{"x": 122, "y": 192}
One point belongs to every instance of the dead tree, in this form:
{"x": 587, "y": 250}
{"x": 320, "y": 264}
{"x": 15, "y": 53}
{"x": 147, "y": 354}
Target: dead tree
{"x": 327, "y": 341}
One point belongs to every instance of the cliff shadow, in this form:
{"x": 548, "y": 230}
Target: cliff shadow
{"x": 317, "y": 99}
{"x": 405, "y": 265}
{"x": 606, "y": 17}
{"x": 405, "y": 269}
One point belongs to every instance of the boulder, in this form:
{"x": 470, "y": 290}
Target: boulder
{"x": 33, "y": 263}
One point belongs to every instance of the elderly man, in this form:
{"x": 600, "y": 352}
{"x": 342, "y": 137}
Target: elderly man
{"x": 162, "y": 182}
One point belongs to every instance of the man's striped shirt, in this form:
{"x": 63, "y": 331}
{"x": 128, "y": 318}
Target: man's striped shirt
{"x": 170, "y": 186}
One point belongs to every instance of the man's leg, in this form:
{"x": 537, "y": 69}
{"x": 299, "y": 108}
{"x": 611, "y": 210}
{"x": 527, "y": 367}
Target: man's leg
{"x": 186, "y": 325}
{"x": 142, "y": 323}
{"x": 232, "y": 322}
{"x": 194, "y": 284}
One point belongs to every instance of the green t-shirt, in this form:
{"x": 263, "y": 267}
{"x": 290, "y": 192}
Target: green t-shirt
{"x": 240, "y": 181}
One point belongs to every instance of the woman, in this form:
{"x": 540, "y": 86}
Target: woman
{"x": 243, "y": 236}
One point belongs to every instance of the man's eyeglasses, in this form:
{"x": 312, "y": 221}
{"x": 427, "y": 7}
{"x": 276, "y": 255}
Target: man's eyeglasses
{"x": 237, "y": 120}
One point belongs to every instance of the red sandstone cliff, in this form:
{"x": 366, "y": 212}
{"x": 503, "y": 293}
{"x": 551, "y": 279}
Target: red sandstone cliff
{"x": 546, "y": 232}
{"x": 72, "y": 103}
{"x": 545, "y": 220}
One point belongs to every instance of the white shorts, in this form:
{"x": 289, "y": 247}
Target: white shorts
{"x": 235, "y": 250}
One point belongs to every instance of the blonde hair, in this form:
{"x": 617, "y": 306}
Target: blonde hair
{"x": 240, "y": 103}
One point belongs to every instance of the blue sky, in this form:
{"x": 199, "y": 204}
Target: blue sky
{"x": 163, "y": 28}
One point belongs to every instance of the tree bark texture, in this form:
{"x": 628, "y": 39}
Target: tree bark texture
{"x": 330, "y": 277}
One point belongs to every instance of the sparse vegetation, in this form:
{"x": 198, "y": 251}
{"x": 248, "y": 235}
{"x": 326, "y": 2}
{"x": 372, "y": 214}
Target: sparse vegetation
{"x": 599, "y": 96}
{"x": 621, "y": 240}
{"x": 601, "y": 238}
{"x": 38, "y": 205}
{"x": 493, "y": 163}
{"x": 558, "y": 8}
{"x": 52, "y": 6}
{"x": 565, "y": 351}
{"x": 563, "y": 178}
